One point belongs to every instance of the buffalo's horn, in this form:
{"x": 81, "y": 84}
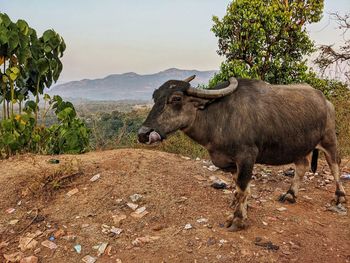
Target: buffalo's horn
{"x": 214, "y": 93}
{"x": 189, "y": 79}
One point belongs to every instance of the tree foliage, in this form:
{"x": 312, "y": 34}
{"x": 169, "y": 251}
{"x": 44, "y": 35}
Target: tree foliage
{"x": 28, "y": 65}
{"x": 266, "y": 39}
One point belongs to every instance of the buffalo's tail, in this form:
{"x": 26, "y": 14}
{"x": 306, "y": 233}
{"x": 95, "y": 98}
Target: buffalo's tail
{"x": 314, "y": 160}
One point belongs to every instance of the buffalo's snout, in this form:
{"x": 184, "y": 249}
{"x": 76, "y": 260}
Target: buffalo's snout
{"x": 148, "y": 135}
{"x": 143, "y": 134}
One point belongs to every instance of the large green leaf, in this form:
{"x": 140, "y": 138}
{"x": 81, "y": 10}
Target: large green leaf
{"x": 13, "y": 41}
{"x": 48, "y": 34}
{"x": 43, "y": 66}
{"x": 23, "y": 26}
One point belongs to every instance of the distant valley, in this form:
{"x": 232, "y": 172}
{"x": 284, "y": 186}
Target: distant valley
{"x": 127, "y": 86}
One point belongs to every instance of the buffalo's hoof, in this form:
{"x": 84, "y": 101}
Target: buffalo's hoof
{"x": 289, "y": 196}
{"x": 339, "y": 197}
{"x": 235, "y": 224}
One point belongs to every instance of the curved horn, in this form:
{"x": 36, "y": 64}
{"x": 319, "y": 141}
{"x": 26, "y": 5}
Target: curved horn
{"x": 189, "y": 79}
{"x": 213, "y": 94}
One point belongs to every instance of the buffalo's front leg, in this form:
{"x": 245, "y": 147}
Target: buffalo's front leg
{"x": 239, "y": 218}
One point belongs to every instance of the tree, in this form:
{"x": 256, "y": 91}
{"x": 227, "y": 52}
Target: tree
{"x": 266, "y": 40}
{"x": 329, "y": 56}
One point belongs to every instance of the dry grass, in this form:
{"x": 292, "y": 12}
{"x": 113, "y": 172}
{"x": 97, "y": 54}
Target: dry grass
{"x": 45, "y": 184}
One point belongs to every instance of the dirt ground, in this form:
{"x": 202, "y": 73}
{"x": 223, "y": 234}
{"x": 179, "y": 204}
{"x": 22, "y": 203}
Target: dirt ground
{"x": 45, "y": 204}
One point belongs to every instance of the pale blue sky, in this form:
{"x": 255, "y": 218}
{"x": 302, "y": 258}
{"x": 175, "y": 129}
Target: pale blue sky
{"x": 114, "y": 36}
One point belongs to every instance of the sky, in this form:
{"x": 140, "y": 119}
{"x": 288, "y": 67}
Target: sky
{"x": 117, "y": 36}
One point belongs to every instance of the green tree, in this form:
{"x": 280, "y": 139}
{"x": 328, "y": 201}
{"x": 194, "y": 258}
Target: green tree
{"x": 266, "y": 40}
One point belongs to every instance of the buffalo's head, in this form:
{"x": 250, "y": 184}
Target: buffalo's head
{"x": 175, "y": 107}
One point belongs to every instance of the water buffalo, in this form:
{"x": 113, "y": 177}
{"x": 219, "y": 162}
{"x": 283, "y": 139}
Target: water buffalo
{"x": 242, "y": 122}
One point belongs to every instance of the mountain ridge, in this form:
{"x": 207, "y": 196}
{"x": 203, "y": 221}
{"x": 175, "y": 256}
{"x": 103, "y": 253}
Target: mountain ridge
{"x": 126, "y": 86}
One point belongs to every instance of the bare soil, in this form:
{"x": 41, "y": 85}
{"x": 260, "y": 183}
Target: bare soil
{"x": 176, "y": 192}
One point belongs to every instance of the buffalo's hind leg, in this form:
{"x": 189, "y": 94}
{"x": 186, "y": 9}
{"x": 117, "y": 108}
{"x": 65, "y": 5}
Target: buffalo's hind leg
{"x": 239, "y": 218}
{"x": 333, "y": 163}
{"x": 300, "y": 168}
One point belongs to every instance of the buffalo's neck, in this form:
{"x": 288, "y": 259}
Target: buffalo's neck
{"x": 197, "y": 130}
{"x": 202, "y": 129}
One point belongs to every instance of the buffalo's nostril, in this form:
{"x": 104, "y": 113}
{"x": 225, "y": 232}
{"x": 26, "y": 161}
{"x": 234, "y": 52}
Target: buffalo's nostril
{"x": 143, "y": 134}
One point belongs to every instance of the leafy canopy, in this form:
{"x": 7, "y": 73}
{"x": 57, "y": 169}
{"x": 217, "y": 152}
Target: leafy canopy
{"x": 266, "y": 40}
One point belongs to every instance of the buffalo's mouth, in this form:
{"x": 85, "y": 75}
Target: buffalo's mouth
{"x": 154, "y": 137}
{"x": 148, "y": 136}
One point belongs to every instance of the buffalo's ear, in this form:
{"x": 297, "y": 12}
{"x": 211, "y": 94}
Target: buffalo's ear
{"x": 199, "y": 103}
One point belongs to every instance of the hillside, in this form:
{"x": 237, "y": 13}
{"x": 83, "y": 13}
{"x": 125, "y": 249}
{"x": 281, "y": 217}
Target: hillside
{"x": 44, "y": 204}
{"x": 128, "y": 86}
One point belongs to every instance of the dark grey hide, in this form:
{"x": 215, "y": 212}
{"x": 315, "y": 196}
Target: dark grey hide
{"x": 256, "y": 123}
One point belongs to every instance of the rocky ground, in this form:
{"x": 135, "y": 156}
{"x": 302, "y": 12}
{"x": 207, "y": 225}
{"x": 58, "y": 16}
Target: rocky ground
{"x": 149, "y": 206}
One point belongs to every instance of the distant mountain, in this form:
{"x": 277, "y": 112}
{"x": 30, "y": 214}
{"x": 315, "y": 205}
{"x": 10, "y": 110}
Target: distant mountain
{"x": 127, "y": 86}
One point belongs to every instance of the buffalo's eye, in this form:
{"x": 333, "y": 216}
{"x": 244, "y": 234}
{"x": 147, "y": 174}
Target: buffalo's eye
{"x": 175, "y": 99}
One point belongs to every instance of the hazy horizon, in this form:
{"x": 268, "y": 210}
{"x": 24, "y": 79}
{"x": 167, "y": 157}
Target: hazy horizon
{"x": 115, "y": 37}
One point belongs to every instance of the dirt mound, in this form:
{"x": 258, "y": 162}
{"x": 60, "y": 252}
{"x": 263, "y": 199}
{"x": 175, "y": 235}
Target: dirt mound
{"x": 179, "y": 217}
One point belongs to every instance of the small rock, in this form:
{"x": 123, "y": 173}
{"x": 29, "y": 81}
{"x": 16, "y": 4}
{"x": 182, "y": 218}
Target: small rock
{"x": 10, "y": 210}
{"x": 95, "y": 178}
{"x": 77, "y": 248}
{"x": 105, "y": 228}
{"x": 135, "y": 197}
{"x": 188, "y": 226}
{"x": 13, "y": 222}
{"x": 72, "y": 192}
{"x": 202, "y": 220}
{"x": 281, "y": 209}
{"x": 84, "y": 225}
{"x": 26, "y": 243}
{"x": 158, "y": 227}
{"x": 307, "y": 197}
{"x": 222, "y": 241}
{"x": 132, "y": 206}
{"x": 119, "y": 201}
{"x": 144, "y": 240}
{"x": 49, "y": 244}
{"x": 15, "y": 257}
{"x": 31, "y": 259}
{"x": 182, "y": 199}
{"x": 213, "y": 168}
{"x": 88, "y": 259}
{"x": 69, "y": 237}
{"x": 219, "y": 184}
{"x": 185, "y": 157}
{"x": 198, "y": 159}
{"x": 264, "y": 223}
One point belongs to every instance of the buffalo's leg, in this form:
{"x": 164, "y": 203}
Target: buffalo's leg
{"x": 300, "y": 168}
{"x": 238, "y": 220}
{"x": 332, "y": 160}
{"x": 329, "y": 146}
